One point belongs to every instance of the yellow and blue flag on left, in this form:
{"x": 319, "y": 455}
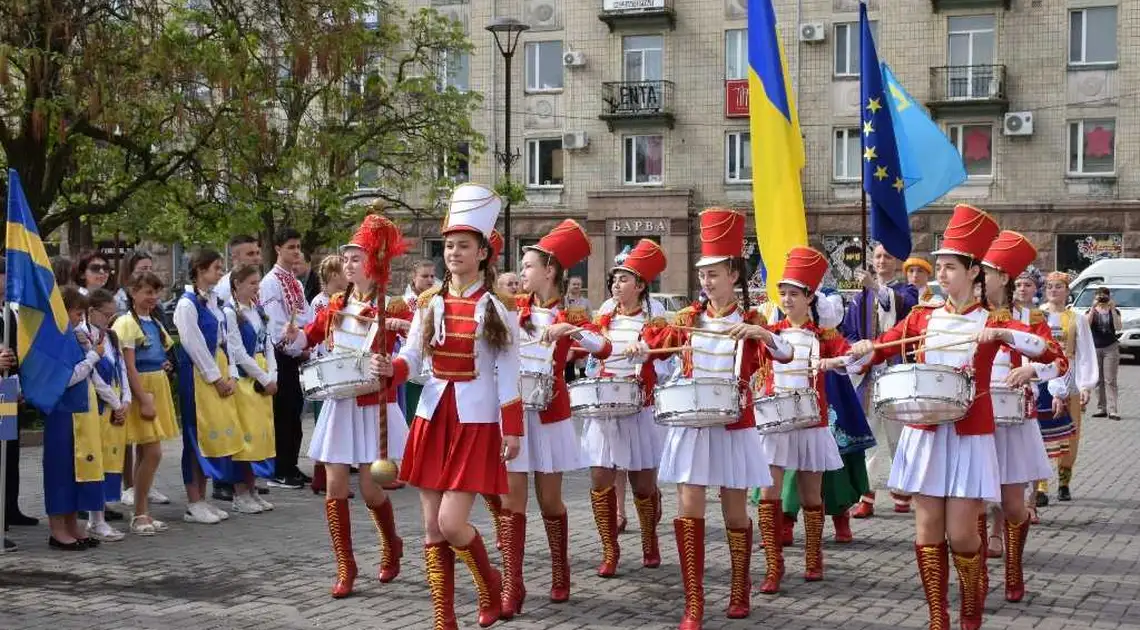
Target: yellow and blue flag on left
{"x": 45, "y": 343}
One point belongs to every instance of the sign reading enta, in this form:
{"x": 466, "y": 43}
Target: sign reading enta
{"x": 639, "y": 226}
{"x": 736, "y": 98}
{"x": 632, "y": 5}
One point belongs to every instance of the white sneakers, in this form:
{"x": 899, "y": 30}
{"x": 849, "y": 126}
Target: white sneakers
{"x": 104, "y": 532}
{"x": 245, "y": 504}
{"x": 200, "y": 512}
{"x": 265, "y": 505}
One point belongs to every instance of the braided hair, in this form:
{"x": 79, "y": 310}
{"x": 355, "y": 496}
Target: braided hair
{"x": 979, "y": 284}
{"x": 139, "y": 281}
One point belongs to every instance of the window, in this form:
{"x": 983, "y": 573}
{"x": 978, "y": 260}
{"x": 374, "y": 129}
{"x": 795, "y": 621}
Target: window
{"x": 454, "y": 70}
{"x": 971, "y": 57}
{"x": 641, "y": 58}
{"x": 738, "y": 157}
{"x": 367, "y": 170}
{"x": 975, "y": 144}
{"x": 544, "y": 162}
{"x": 456, "y": 166}
{"x": 644, "y": 160}
{"x": 543, "y": 66}
{"x": 1092, "y": 35}
{"x": 848, "y": 151}
{"x": 1092, "y": 147}
{"x": 627, "y": 243}
{"x": 736, "y": 54}
{"x": 847, "y": 39}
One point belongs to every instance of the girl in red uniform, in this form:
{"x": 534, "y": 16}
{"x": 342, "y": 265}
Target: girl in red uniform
{"x": 951, "y": 469}
{"x": 468, "y": 340}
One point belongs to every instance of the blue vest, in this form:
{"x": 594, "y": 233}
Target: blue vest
{"x": 252, "y": 340}
{"x": 109, "y": 369}
{"x": 213, "y": 331}
{"x": 150, "y": 357}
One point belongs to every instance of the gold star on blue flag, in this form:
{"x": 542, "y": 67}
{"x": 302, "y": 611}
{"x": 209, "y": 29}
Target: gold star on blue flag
{"x": 882, "y": 171}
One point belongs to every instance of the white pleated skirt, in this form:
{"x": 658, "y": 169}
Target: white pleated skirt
{"x": 809, "y": 450}
{"x": 1021, "y": 453}
{"x": 632, "y": 442}
{"x": 547, "y": 448}
{"x": 941, "y": 463}
{"x": 347, "y": 433}
{"x": 714, "y": 456}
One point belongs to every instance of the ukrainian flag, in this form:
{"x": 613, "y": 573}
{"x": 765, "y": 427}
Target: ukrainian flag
{"x": 45, "y": 342}
{"x": 777, "y": 146}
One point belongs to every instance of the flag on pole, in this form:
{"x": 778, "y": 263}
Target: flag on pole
{"x": 45, "y": 342}
{"x": 882, "y": 170}
{"x": 777, "y": 146}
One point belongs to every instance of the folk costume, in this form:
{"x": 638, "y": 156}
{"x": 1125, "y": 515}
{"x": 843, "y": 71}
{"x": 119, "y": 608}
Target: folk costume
{"x": 348, "y": 429}
{"x": 959, "y": 459}
{"x": 470, "y": 400}
{"x": 1020, "y": 449}
{"x": 728, "y": 456}
{"x": 252, "y": 366}
{"x": 802, "y": 346}
{"x": 73, "y": 454}
{"x": 1062, "y": 434}
{"x": 149, "y": 340}
{"x": 551, "y": 443}
{"x": 632, "y": 442}
{"x": 114, "y": 393}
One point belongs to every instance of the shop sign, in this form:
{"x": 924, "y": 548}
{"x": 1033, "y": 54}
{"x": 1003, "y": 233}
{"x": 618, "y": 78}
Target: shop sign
{"x": 1075, "y": 252}
{"x": 844, "y": 257}
{"x": 639, "y": 226}
{"x": 736, "y": 98}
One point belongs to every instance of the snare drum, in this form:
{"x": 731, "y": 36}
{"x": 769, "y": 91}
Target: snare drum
{"x": 697, "y": 402}
{"x": 605, "y": 397}
{"x": 1009, "y": 405}
{"x": 536, "y": 390}
{"x": 919, "y": 393}
{"x": 787, "y": 411}
{"x": 337, "y": 376}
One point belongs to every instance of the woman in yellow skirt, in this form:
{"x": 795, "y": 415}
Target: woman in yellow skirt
{"x": 150, "y": 416}
{"x": 254, "y": 368}
{"x": 211, "y": 434}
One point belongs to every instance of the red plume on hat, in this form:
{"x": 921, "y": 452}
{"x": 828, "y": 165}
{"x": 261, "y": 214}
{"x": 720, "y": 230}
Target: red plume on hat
{"x": 381, "y": 241}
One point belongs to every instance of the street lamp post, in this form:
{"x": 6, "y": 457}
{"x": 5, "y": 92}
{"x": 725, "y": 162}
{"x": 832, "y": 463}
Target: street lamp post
{"x": 507, "y": 32}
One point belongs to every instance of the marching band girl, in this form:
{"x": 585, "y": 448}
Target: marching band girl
{"x": 951, "y": 469}
{"x": 548, "y": 329}
{"x": 254, "y": 370}
{"x": 1020, "y": 449}
{"x": 331, "y": 274}
{"x": 632, "y": 443}
{"x": 150, "y": 416}
{"x": 110, "y": 379}
{"x": 805, "y": 354}
{"x": 730, "y": 456}
{"x": 347, "y": 431}
{"x": 211, "y": 435}
{"x": 456, "y": 448}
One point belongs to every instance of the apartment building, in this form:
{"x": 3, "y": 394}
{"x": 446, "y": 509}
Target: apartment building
{"x": 632, "y": 115}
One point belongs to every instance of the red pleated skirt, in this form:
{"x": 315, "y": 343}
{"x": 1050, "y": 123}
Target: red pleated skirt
{"x": 444, "y": 454}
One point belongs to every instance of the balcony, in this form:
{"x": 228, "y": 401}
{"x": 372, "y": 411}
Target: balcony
{"x": 940, "y": 5}
{"x": 637, "y": 104}
{"x": 968, "y": 90}
{"x": 638, "y": 14}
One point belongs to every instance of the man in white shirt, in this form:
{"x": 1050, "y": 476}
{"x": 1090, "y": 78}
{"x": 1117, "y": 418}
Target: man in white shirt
{"x": 244, "y": 250}
{"x": 283, "y": 299}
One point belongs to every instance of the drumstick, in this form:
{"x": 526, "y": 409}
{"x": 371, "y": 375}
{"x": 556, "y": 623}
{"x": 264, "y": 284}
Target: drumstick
{"x": 945, "y": 345}
{"x": 900, "y": 342}
{"x": 669, "y": 350}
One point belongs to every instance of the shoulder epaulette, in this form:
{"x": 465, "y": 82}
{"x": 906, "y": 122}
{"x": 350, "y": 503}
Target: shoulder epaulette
{"x": 510, "y": 301}
{"x": 577, "y": 315}
{"x": 755, "y": 317}
{"x": 1036, "y": 316}
{"x": 685, "y": 316}
{"x": 397, "y": 306}
{"x": 999, "y": 316}
{"x": 657, "y": 321}
{"x": 424, "y": 298}
{"x": 521, "y": 299}
{"x": 339, "y": 299}
{"x": 827, "y": 334}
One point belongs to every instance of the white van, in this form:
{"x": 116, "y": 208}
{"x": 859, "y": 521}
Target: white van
{"x": 1119, "y": 271}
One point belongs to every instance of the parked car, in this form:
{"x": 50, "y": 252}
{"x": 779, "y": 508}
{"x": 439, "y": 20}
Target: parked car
{"x": 1127, "y": 298}
{"x": 672, "y": 302}
{"x": 1113, "y": 271}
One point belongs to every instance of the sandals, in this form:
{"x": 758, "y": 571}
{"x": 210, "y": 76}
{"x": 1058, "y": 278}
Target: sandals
{"x": 148, "y": 527}
{"x": 991, "y": 550}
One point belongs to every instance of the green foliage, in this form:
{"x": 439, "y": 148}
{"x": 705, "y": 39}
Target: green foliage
{"x": 511, "y": 191}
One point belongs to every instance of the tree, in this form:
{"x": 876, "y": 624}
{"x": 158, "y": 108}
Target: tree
{"x": 100, "y": 107}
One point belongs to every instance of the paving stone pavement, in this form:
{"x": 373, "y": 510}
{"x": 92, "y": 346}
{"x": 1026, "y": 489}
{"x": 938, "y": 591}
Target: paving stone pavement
{"x": 273, "y": 571}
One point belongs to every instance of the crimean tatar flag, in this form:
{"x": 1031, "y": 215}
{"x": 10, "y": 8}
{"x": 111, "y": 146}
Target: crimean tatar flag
{"x": 45, "y": 342}
{"x": 777, "y": 146}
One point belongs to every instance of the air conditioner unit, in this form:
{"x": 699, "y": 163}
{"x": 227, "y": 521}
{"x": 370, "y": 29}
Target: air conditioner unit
{"x": 573, "y": 59}
{"x": 812, "y": 32}
{"x": 575, "y": 140}
{"x": 1018, "y": 124}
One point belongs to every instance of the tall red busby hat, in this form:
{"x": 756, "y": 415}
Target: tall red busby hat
{"x": 496, "y": 242}
{"x": 381, "y": 241}
{"x": 646, "y": 261}
{"x": 722, "y": 236}
{"x": 567, "y": 243}
{"x": 1010, "y": 252}
{"x": 969, "y": 233}
{"x": 805, "y": 268}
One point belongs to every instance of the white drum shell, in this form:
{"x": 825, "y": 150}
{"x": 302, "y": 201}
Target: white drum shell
{"x": 536, "y": 390}
{"x": 923, "y": 394}
{"x": 1010, "y": 405}
{"x": 337, "y": 376}
{"x": 787, "y": 411}
{"x": 605, "y": 397}
{"x": 697, "y": 402}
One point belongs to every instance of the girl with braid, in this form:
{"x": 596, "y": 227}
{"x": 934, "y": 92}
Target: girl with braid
{"x": 469, "y": 419}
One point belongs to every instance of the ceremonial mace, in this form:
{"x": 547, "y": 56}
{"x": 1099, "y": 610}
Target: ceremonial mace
{"x": 384, "y": 470}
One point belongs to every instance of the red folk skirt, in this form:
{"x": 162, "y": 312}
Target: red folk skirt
{"x": 444, "y": 454}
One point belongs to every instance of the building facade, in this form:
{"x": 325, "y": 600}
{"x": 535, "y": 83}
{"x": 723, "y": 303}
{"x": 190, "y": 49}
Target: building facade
{"x": 632, "y": 115}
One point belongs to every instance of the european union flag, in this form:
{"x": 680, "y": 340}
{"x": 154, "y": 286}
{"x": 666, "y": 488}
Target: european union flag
{"x": 45, "y": 341}
{"x": 882, "y": 172}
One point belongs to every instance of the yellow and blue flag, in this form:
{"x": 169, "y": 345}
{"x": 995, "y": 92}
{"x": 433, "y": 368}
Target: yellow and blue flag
{"x": 777, "y": 146}
{"x": 45, "y": 342}
{"x": 882, "y": 169}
